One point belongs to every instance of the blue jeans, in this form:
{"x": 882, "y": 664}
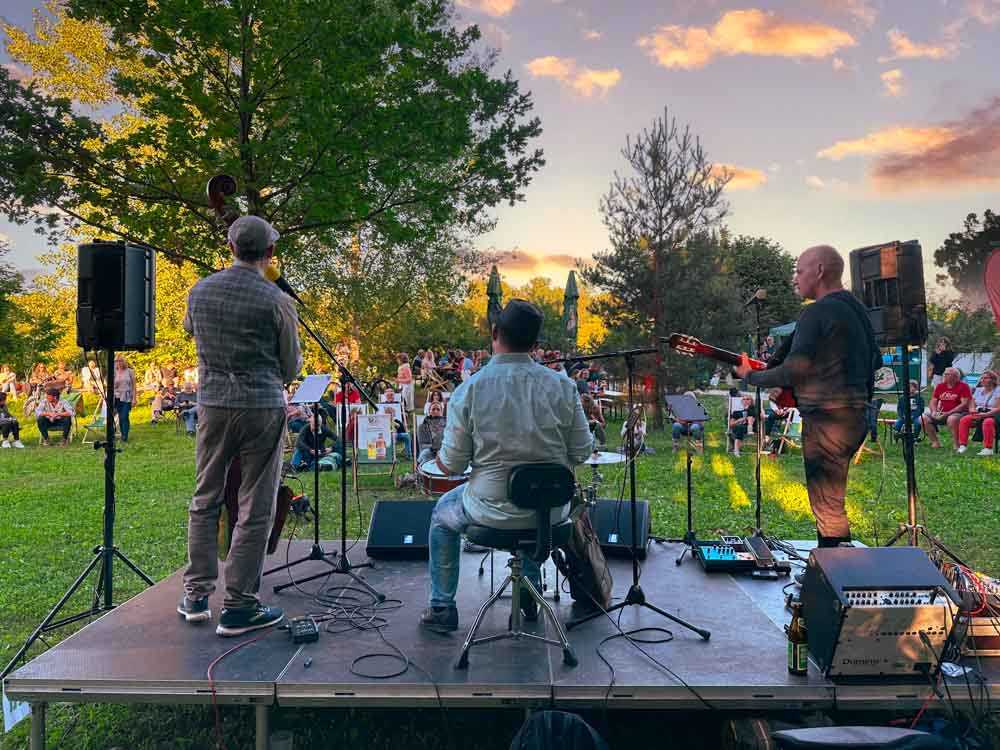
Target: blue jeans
{"x": 694, "y": 430}
{"x": 448, "y": 522}
{"x": 898, "y": 427}
{"x": 296, "y": 425}
{"x": 190, "y": 419}
{"x": 303, "y": 461}
{"x": 122, "y": 409}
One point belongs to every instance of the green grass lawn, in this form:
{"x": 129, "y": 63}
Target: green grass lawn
{"x": 51, "y": 502}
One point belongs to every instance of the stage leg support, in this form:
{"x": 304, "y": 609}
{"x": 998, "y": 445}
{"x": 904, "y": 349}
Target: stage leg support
{"x": 263, "y": 733}
{"x": 37, "y": 740}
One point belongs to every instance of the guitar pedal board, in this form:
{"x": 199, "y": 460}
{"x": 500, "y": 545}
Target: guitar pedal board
{"x": 736, "y": 554}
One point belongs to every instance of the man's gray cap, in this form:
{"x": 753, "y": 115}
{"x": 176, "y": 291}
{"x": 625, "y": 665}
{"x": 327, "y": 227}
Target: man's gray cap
{"x": 252, "y": 235}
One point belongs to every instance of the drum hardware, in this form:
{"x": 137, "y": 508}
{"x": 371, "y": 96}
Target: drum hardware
{"x": 432, "y": 481}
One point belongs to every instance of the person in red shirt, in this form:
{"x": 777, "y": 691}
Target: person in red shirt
{"x": 949, "y": 404}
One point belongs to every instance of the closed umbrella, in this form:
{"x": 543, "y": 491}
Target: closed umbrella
{"x": 494, "y": 296}
{"x": 570, "y": 318}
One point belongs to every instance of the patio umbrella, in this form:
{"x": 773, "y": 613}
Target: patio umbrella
{"x": 570, "y": 319}
{"x": 494, "y": 296}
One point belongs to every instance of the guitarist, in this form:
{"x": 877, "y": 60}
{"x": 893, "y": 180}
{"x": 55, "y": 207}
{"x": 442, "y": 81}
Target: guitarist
{"x": 830, "y": 363}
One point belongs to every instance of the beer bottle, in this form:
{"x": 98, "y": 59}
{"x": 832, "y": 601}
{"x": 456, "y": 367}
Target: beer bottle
{"x": 798, "y": 648}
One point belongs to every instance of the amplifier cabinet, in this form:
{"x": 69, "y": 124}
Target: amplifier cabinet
{"x": 869, "y": 611}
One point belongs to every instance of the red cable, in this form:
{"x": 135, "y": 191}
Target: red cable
{"x": 211, "y": 685}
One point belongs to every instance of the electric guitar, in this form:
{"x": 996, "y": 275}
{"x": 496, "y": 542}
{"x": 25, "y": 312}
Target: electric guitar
{"x": 689, "y": 346}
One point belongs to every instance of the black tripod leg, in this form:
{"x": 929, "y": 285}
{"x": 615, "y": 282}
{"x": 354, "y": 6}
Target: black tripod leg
{"x": 282, "y": 586}
{"x": 897, "y": 536}
{"x": 51, "y": 615}
{"x": 700, "y": 631}
{"x": 593, "y": 615}
{"x": 133, "y": 567}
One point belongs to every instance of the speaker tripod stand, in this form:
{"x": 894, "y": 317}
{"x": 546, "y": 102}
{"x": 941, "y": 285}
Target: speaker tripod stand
{"x": 104, "y": 554}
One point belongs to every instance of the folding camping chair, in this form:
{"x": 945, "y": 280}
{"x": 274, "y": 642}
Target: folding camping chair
{"x": 792, "y": 434}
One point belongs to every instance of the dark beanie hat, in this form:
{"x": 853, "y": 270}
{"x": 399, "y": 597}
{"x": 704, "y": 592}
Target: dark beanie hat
{"x": 519, "y": 324}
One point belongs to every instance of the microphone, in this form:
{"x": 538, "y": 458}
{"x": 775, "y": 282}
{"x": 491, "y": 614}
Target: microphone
{"x": 758, "y": 296}
{"x": 273, "y": 274}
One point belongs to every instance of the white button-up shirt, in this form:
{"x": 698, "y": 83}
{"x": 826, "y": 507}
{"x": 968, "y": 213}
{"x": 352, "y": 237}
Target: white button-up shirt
{"x": 513, "y": 411}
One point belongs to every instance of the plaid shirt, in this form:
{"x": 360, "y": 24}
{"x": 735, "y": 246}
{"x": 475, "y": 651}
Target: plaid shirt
{"x": 245, "y": 331}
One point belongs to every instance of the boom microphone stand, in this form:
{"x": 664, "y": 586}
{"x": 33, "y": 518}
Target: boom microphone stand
{"x": 756, "y": 301}
{"x": 105, "y": 553}
{"x": 636, "y": 596}
{"x": 343, "y": 565}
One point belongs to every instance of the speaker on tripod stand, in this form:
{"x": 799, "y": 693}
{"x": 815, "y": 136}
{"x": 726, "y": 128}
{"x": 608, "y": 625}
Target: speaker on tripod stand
{"x": 116, "y": 296}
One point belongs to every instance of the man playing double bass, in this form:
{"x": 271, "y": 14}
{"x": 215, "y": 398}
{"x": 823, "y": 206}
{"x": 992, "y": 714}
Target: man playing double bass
{"x": 245, "y": 330}
{"x": 831, "y": 365}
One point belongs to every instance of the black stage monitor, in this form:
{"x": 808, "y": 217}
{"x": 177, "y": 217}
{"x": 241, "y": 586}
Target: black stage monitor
{"x": 889, "y": 281}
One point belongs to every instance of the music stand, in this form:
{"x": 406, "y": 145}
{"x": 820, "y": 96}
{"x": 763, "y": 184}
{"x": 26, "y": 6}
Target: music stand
{"x": 311, "y": 392}
{"x": 687, "y": 409}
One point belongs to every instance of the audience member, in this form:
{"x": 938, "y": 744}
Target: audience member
{"x": 151, "y": 380}
{"x": 433, "y": 397}
{"x": 8, "y": 381}
{"x": 776, "y": 415}
{"x": 39, "y": 376}
{"x": 309, "y": 448}
{"x": 124, "y": 394}
{"x": 682, "y": 427}
{"x": 190, "y": 376}
{"x": 164, "y": 400}
{"x": 986, "y": 405}
{"x": 595, "y": 418}
{"x": 62, "y": 378}
{"x": 916, "y": 410}
{"x": 741, "y": 422}
{"x": 949, "y": 404}
{"x": 168, "y": 375}
{"x": 90, "y": 377}
{"x": 54, "y": 412}
{"x": 297, "y": 415}
{"x": 431, "y": 432}
{"x": 404, "y": 377}
{"x": 428, "y": 365}
{"x": 9, "y": 426}
{"x": 942, "y": 358}
{"x": 187, "y": 407}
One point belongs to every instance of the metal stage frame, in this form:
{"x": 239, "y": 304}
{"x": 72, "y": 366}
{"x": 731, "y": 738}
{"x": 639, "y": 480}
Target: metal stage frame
{"x": 142, "y": 652}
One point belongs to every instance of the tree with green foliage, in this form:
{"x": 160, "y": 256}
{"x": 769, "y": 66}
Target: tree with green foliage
{"x": 664, "y": 269}
{"x": 967, "y": 327}
{"x": 761, "y": 263}
{"x": 10, "y": 284}
{"x": 372, "y": 134}
{"x": 963, "y": 255}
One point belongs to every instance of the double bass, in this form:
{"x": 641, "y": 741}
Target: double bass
{"x": 220, "y": 188}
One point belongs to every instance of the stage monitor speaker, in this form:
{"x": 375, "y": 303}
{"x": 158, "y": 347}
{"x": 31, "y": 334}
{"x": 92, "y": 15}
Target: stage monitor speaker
{"x": 889, "y": 281}
{"x": 399, "y": 529}
{"x": 116, "y": 306}
{"x": 612, "y": 521}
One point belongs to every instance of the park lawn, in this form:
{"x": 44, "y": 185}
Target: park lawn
{"x": 51, "y": 503}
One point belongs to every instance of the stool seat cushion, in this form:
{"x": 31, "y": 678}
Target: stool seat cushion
{"x": 831, "y": 738}
{"x": 517, "y": 539}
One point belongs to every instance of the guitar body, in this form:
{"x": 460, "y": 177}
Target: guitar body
{"x": 231, "y": 511}
{"x": 689, "y": 346}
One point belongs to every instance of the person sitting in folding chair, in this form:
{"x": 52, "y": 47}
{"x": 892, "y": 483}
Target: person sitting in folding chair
{"x": 9, "y": 426}
{"x": 187, "y": 407}
{"x": 431, "y": 432}
{"x": 398, "y": 425}
{"x": 682, "y": 427}
{"x": 741, "y": 423}
{"x": 164, "y": 401}
{"x": 776, "y": 417}
{"x": 916, "y": 412}
{"x": 55, "y": 413}
{"x": 310, "y": 448}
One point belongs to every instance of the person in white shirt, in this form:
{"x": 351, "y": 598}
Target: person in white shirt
{"x": 513, "y": 412}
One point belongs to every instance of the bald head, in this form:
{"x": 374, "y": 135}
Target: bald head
{"x": 818, "y": 271}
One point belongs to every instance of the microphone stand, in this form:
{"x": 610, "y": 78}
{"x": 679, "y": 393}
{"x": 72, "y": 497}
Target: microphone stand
{"x": 758, "y": 404}
{"x": 635, "y": 596}
{"x": 343, "y": 565}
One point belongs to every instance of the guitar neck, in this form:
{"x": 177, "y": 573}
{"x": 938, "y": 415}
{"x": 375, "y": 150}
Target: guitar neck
{"x": 727, "y": 357}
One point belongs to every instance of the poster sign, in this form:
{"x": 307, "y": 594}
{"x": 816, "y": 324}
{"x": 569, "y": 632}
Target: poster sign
{"x": 375, "y": 444}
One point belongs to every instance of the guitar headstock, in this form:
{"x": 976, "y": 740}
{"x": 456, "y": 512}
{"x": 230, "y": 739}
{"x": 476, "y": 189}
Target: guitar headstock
{"x": 684, "y": 344}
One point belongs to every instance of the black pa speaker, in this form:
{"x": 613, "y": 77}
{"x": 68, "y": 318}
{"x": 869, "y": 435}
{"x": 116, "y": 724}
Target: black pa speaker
{"x": 116, "y": 307}
{"x": 889, "y": 281}
{"x": 612, "y": 521}
{"x": 399, "y": 529}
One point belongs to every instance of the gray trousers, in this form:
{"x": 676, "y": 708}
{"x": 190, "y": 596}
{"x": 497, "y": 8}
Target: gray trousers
{"x": 830, "y": 438}
{"x": 256, "y": 437}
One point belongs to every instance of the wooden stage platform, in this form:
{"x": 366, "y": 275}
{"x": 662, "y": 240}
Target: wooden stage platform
{"x": 143, "y": 652}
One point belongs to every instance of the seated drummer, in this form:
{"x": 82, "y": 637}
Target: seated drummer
{"x": 515, "y": 411}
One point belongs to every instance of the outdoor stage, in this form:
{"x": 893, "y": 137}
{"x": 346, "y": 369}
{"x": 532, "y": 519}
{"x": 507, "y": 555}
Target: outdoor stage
{"x": 142, "y": 652}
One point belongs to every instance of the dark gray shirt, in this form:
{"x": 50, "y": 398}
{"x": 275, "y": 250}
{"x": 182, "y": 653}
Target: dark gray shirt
{"x": 833, "y": 356}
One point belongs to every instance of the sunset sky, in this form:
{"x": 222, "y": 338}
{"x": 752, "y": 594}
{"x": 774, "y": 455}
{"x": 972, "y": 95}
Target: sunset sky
{"x": 848, "y": 122}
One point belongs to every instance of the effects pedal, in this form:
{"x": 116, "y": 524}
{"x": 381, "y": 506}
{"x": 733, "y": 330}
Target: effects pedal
{"x": 303, "y": 630}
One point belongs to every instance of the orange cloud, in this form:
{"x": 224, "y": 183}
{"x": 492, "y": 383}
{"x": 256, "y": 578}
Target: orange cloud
{"x": 961, "y": 154}
{"x": 495, "y": 8}
{"x": 523, "y": 265}
{"x": 584, "y": 81}
{"x": 897, "y": 140}
{"x": 742, "y": 178}
{"x": 904, "y": 48}
{"x": 742, "y": 32}
{"x": 893, "y": 82}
